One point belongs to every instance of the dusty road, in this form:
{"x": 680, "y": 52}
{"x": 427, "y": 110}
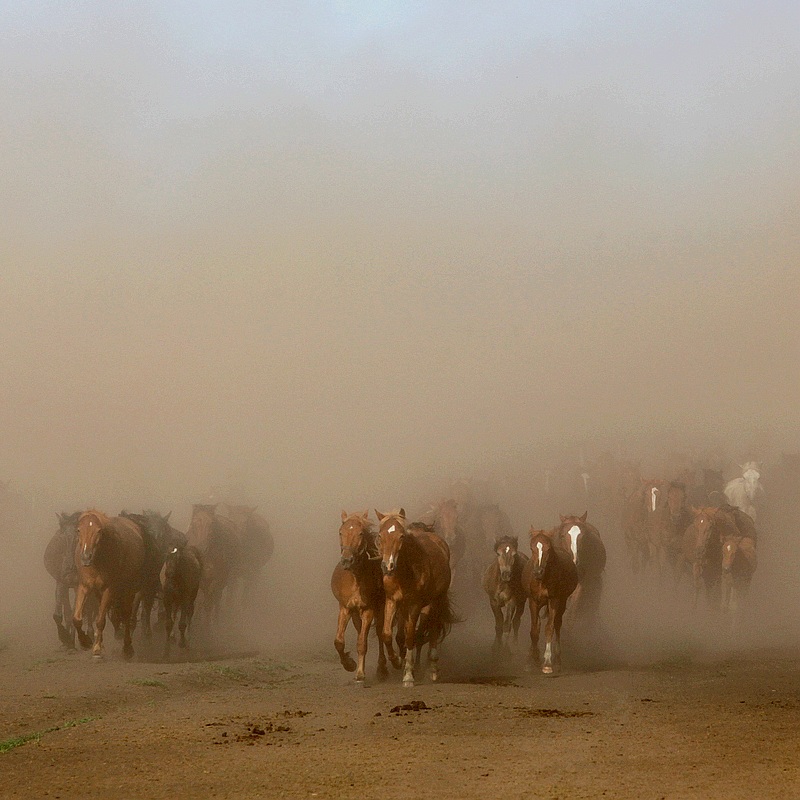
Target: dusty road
{"x": 293, "y": 724}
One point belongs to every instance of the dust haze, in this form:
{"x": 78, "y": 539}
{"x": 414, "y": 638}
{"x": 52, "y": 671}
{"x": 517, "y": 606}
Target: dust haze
{"x": 342, "y": 257}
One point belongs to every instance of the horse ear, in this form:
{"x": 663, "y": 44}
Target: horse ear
{"x": 366, "y": 514}
{"x": 381, "y": 517}
{"x": 402, "y": 513}
{"x": 344, "y": 515}
{"x": 169, "y": 514}
{"x": 585, "y": 514}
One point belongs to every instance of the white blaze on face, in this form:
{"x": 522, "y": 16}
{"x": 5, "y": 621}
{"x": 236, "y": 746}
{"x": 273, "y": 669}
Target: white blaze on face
{"x": 653, "y": 498}
{"x": 539, "y": 550}
{"x": 573, "y": 533}
{"x": 391, "y": 530}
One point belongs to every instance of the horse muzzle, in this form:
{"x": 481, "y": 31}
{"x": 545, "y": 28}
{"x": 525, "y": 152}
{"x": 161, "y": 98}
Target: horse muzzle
{"x": 387, "y": 568}
{"x": 87, "y": 557}
{"x": 346, "y": 562}
{"x": 505, "y": 575}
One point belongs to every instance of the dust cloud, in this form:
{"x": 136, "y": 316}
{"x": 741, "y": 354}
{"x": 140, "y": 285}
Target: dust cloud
{"x": 341, "y": 257}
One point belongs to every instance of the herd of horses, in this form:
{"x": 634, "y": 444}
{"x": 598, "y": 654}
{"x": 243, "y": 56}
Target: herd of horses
{"x": 118, "y": 567}
{"x": 400, "y": 577}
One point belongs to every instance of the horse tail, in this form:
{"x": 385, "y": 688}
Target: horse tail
{"x": 446, "y": 615}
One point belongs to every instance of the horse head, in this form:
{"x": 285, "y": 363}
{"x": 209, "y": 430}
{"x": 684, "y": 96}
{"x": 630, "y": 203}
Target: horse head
{"x": 201, "y": 526}
{"x": 505, "y": 548}
{"x": 568, "y": 532}
{"x": 751, "y": 473}
{"x": 391, "y": 535}
{"x": 68, "y": 523}
{"x": 447, "y": 519}
{"x": 541, "y": 546}
{"x": 91, "y": 525}
{"x": 355, "y": 534}
{"x": 653, "y": 494}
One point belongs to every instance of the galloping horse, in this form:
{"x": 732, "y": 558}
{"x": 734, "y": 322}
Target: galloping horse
{"x": 416, "y": 579}
{"x": 183, "y": 570}
{"x": 582, "y": 541}
{"x": 744, "y": 492}
{"x": 676, "y": 518}
{"x": 256, "y": 544}
{"x": 502, "y": 581}
{"x": 358, "y": 586}
{"x": 446, "y": 524}
{"x": 109, "y": 556}
{"x": 738, "y": 565}
{"x": 642, "y": 525}
{"x": 59, "y": 561}
{"x": 549, "y": 578}
{"x": 217, "y": 539}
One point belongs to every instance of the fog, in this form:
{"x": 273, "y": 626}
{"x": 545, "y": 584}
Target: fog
{"x": 339, "y": 255}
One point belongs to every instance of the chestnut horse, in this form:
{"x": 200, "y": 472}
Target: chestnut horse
{"x": 446, "y": 524}
{"x": 358, "y": 586}
{"x": 109, "y": 556}
{"x": 642, "y": 526}
{"x": 582, "y": 541}
{"x": 502, "y": 581}
{"x": 217, "y": 539}
{"x": 549, "y": 578}
{"x": 59, "y": 561}
{"x": 416, "y": 580}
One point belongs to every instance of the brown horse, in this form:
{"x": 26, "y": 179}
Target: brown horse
{"x": 109, "y": 556}
{"x": 183, "y": 570}
{"x": 358, "y": 586}
{"x": 217, "y": 539}
{"x": 446, "y": 524}
{"x": 256, "y": 544}
{"x": 676, "y": 517}
{"x": 721, "y": 547}
{"x": 59, "y": 561}
{"x": 416, "y": 580}
{"x": 582, "y": 540}
{"x": 549, "y": 578}
{"x": 642, "y": 524}
{"x": 502, "y": 581}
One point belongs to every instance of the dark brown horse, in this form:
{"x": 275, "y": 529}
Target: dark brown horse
{"x": 502, "y": 581}
{"x": 582, "y": 540}
{"x": 416, "y": 580}
{"x": 357, "y": 584}
{"x": 109, "y": 556}
{"x": 256, "y": 544}
{"x": 217, "y": 538}
{"x": 642, "y": 526}
{"x": 549, "y": 578}
{"x": 183, "y": 570}
{"x": 59, "y": 561}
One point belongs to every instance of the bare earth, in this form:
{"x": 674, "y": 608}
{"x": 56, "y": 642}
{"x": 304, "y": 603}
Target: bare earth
{"x": 296, "y": 725}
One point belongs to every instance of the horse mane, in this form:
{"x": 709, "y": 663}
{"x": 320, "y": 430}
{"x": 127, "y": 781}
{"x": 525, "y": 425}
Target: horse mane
{"x": 506, "y": 540}
{"x": 421, "y": 527}
{"x": 101, "y": 517}
{"x": 366, "y": 522}
{"x": 396, "y": 516}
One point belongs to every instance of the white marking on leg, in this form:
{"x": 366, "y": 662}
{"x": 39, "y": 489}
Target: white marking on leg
{"x": 548, "y": 655}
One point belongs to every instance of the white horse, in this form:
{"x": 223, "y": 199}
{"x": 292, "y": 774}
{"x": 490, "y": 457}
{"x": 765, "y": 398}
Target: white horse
{"x": 742, "y": 492}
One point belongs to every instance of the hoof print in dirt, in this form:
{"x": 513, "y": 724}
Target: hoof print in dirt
{"x": 414, "y": 705}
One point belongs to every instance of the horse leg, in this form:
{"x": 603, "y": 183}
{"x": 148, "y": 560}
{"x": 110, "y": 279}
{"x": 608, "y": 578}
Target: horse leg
{"x": 382, "y": 669}
{"x": 77, "y": 617}
{"x": 557, "y": 620}
{"x": 386, "y": 634}
{"x": 433, "y": 646}
{"x": 547, "y": 667}
{"x": 100, "y": 622}
{"x": 126, "y": 621}
{"x": 422, "y": 634}
{"x": 63, "y": 613}
{"x": 534, "y": 659}
{"x": 186, "y": 616}
{"x": 411, "y": 631}
{"x": 365, "y": 623}
{"x": 169, "y": 622}
{"x": 519, "y": 610}
{"x": 147, "y": 599}
{"x": 498, "y": 625}
{"x": 338, "y": 642}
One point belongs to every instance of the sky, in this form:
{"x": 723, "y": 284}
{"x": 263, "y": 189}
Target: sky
{"x": 331, "y": 251}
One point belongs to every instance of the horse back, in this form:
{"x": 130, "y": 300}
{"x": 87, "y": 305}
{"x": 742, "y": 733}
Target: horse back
{"x": 591, "y": 560}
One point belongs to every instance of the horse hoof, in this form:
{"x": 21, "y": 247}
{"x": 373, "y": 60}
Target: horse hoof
{"x": 408, "y": 684}
{"x": 127, "y": 652}
{"x": 349, "y": 664}
{"x": 359, "y": 680}
{"x": 547, "y": 670}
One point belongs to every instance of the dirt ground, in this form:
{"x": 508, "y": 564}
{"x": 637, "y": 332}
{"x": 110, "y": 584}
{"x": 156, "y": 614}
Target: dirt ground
{"x": 294, "y": 724}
